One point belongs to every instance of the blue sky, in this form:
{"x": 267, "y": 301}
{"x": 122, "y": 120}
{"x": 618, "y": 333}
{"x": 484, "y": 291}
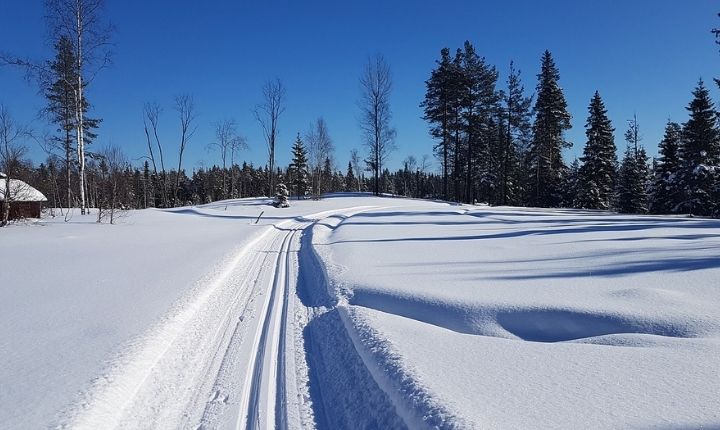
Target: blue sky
{"x": 644, "y": 56}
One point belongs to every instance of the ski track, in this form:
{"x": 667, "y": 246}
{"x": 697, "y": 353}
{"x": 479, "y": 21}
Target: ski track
{"x": 221, "y": 359}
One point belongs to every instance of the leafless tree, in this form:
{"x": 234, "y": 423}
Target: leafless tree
{"x": 226, "y": 143}
{"x": 267, "y": 114}
{"x": 375, "y": 115}
{"x": 11, "y": 152}
{"x": 110, "y": 202}
{"x": 151, "y": 115}
{"x": 81, "y": 22}
{"x": 185, "y": 106}
{"x": 320, "y": 148}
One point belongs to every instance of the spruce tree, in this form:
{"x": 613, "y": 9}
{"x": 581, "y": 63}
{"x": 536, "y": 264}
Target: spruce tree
{"x": 632, "y": 182}
{"x": 517, "y": 136}
{"x": 699, "y": 156}
{"x": 298, "y": 168}
{"x": 633, "y": 175}
{"x": 551, "y": 121}
{"x": 350, "y": 180}
{"x": 665, "y": 190}
{"x": 596, "y": 177}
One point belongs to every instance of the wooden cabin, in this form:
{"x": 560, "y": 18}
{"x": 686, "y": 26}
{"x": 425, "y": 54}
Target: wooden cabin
{"x": 25, "y": 201}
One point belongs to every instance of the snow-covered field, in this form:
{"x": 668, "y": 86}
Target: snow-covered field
{"x": 361, "y": 312}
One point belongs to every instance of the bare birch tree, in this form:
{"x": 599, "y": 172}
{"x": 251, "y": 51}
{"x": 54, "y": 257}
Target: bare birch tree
{"x": 375, "y": 115}
{"x": 226, "y": 143}
{"x": 151, "y": 114}
{"x": 320, "y": 147}
{"x": 185, "y": 106}
{"x": 267, "y": 114}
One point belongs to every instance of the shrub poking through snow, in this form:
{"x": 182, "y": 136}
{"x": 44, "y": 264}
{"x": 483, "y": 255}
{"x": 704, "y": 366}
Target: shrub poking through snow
{"x": 281, "y": 197}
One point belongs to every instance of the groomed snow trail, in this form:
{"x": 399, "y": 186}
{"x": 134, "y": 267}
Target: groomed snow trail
{"x": 220, "y": 358}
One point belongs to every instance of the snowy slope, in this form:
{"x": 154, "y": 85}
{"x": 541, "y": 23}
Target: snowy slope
{"x": 511, "y": 318}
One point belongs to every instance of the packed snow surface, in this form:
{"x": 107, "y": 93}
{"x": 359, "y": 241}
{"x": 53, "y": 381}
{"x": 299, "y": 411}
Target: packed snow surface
{"x": 360, "y": 312}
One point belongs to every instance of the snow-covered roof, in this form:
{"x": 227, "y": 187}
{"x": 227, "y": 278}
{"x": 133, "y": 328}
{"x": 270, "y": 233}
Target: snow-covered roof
{"x": 20, "y": 191}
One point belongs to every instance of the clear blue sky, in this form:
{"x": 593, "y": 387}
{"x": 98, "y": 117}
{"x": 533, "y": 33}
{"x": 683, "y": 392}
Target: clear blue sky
{"x": 644, "y": 56}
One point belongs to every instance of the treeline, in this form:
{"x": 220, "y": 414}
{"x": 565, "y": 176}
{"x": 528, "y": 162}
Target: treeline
{"x": 113, "y": 184}
{"x": 500, "y": 146}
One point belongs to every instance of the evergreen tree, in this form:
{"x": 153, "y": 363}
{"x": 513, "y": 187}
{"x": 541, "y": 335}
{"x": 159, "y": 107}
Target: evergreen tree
{"x": 665, "y": 192}
{"x": 699, "y": 156}
{"x": 551, "y": 121}
{"x": 632, "y": 182}
{"x": 570, "y": 184}
{"x": 479, "y": 103}
{"x": 299, "y": 169}
{"x": 350, "y": 180}
{"x": 596, "y": 177}
{"x": 327, "y": 175}
{"x": 440, "y": 106}
{"x": 517, "y": 124}
{"x": 633, "y": 175}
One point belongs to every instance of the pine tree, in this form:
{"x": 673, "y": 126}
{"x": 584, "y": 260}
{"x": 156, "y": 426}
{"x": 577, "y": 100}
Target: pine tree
{"x": 699, "y": 156}
{"x": 440, "y": 109}
{"x": 596, "y": 178}
{"x": 551, "y": 121}
{"x": 298, "y": 168}
{"x": 479, "y": 102}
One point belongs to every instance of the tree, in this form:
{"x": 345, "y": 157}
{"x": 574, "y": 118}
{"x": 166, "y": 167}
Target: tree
{"x": 350, "y": 178}
{"x": 632, "y": 182}
{"x": 299, "y": 169}
{"x": 151, "y": 114}
{"x": 700, "y": 155}
{"x": 439, "y": 108}
{"x": 596, "y": 177}
{"x": 355, "y": 161}
{"x": 551, "y": 121}
{"x": 375, "y": 115}
{"x": 112, "y": 198}
{"x": 185, "y": 107}
{"x": 478, "y": 101}
{"x": 60, "y": 94}
{"x": 267, "y": 114}
{"x": 633, "y": 177}
{"x": 517, "y": 122}
{"x": 665, "y": 192}
{"x": 320, "y": 148}
{"x": 11, "y": 153}
{"x": 226, "y": 142}
{"x": 80, "y": 22}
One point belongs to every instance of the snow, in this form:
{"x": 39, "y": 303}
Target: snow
{"x": 517, "y": 318}
{"x": 20, "y": 191}
{"x": 356, "y": 311}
